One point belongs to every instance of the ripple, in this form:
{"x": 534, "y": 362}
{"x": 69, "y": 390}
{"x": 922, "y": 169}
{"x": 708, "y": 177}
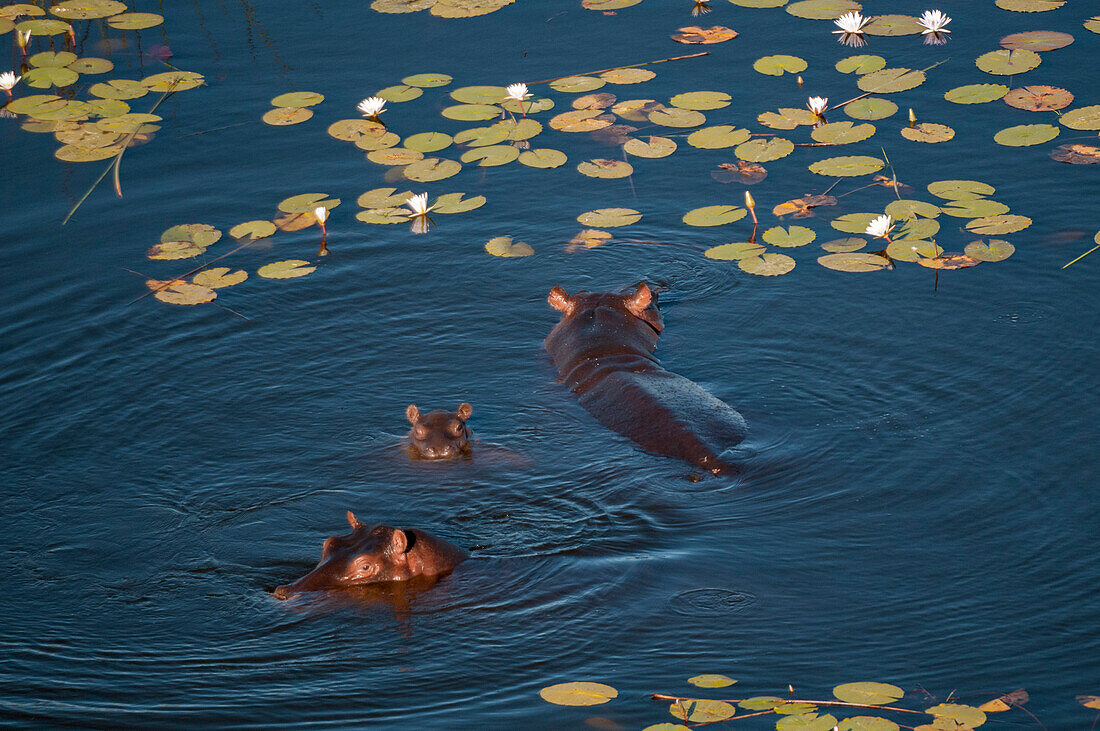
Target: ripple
{"x": 710, "y": 602}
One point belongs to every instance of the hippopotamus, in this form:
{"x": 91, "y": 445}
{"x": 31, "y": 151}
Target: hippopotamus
{"x": 376, "y": 554}
{"x": 439, "y": 434}
{"x": 603, "y": 348}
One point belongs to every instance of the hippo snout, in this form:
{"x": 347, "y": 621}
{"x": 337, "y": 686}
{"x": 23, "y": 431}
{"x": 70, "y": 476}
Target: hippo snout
{"x": 284, "y": 592}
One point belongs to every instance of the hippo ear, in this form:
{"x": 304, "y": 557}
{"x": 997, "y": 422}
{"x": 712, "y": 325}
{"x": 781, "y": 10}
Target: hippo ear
{"x": 464, "y": 411}
{"x": 643, "y": 305}
{"x": 412, "y": 414}
{"x": 353, "y": 521}
{"x": 399, "y": 542}
{"x": 560, "y": 300}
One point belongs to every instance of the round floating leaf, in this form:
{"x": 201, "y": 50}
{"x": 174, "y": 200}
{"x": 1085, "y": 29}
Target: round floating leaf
{"x": 400, "y": 93}
{"x": 845, "y": 245}
{"x": 479, "y": 94}
{"x": 861, "y": 64}
{"x": 822, "y": 9}
{"x": 853, "y": 262}
{"x": 714, "y": 215}
{"x": 1082, "y": 118}
{"x": 929, "y": 132}
{"x": 523, "y": 129}
{"x": 676, "y": 117}
{"x": 627, "y": 76}
{"x": 455, "y": 203}
{"x": 394, "y": 156}
{"x": 711, "y": 681}
{"x": 384, "y": 216}
{"x": 467, "y": 8}
{"x": 636, "y": 110}
{"x": 1025, "y": 135}
{"x": 542, "y": 158}
{"x": 960, "y": 189}
{"x": 219, "y": 277}
{"x": 594, "y": 101}
{"x": 871, "y": 108}
{"x": 701, "y": 100}
{"x": 950, "y": 261}
{"x": 976, "y": 93}
{"x": 383, "y": 198}
{"x": 889, "y": 81}
{"x": 179, "y": 292}
{"x": 893, "y": 25}
{"x": 917, "y": 228}
{"x": 976, "y": 208}
{"x": 806, "y": 722}
{"x": 173, "y": 81}
{"x": 472, "y": 112}
{"x": 847, "y": 166}
{"x": 853, "y": 223}
{"x": 610, "y": 217}
{"x": 1039, "y": 98}
{"x": 482, "y": 136}
{"x": 135, "y": 21}
{"x": 912, "y": 250}
{"x": 91, "y": 66}
{"x": 43, "y": 27}
{"x": 695, "y": 34}
{"x": 732, "y": 252}
{"x": 789, "y": 237}
{"x": 401, "y": 6}
{"x": 87, "y": 9}
{"x": 298, "y": 99}
{"x": 867, "y": 723}
{"x": 252, "y": 230}
{"x": 174, "y": 250}
{"x": 653, "y": 148}
{"x": 578, "y": 693}
{"x": 286, "y": 116}
{"x": 764, "y": 149}
{"x": 294, "y": 221}
{"x": 998, "y": 225}
{"x": 1093, "y": 24}
{"x": 702, "y": 711}
{"x": 993, "y": 250}
{"x": 1030, "y": 6}
{"x": 1075, "y": 154}
{"x": 44, "y": 78}
{"x": 432, "y": 168}
{"x": 88, "y": 135}
{"x": 743, "y": 172}
{"x": 1037, "y": 40}
{"x": 427, "y": 81}
{"x": 767, "y": 265}
{"x": 602, "y": 168}
{"x": 77, "y": 153}
{"x": 788, "y": 118}
{"x": 608, "y": 4}
{"x": 589, "y": 238}
{"x": 379, "y": 141}
{"x": 117, "y": 89}
{"x": 353, "y": 130}
{"x": 492, "y": 156}
{"x": 200, "y": 234}
{"x": 577, "y": 84}
{"x": 902, "y": 209}
{"x": 107, "y": 108}
{"x": 761, "y": 703}
{"x": 287, "y": 269}
{"x": 428, "y": 141}
{"x": 1008, "y": 63}
{"x": 760, "y": 3}
{"x": 842, "y": 133}
{"x": 48, "y": 59}
{"x": 715, "y": 138}
{"x": 307, "y": 202}
{"x": 580, "y": 120}
{"x": 779, "y": 65}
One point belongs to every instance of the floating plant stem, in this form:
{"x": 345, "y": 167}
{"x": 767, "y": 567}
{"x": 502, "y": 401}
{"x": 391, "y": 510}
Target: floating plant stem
{"x": 114, "y": 164}
{"x": 1082, "y": 257}
{"x": 631, "y": 66}
{"x": 193, "y": 271}
{"x": 869, "y": 93}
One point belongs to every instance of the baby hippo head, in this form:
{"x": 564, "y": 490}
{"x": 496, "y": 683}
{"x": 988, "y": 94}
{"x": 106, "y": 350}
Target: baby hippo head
{"x": 439, "y": 434}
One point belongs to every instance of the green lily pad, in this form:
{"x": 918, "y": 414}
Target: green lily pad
{"x": 761, "y": 702}
{"x": 383, "y": 198}
{"x": 399, "y": 93}
{"x": 893, "y": 25}
{"x": 123, "y": 89}
{"x": 482, "y": 136}
{"x": 889, "y": 81}
{"x": 766, "y": 265}
{"x": 307, "y": 202}
{"x": 200, "y": 234}
{"x": 173, "y": 81}
{"x": 871, "y": 108}
{"x": 789, "y": 237}
{"x": 91, "y": 65}
{"x": 701, "y": 711}
{"x": 732, "y": 252}
{"x": 298, "y": 99}
{"x": 521, "y": 129}
{"x": 135, "y": 21}
{"x": 77, "y": 153}
{"x": 711, "y": 681}
{"x": 286, "y": 116}
{"x": 432, "y": 168}
{"x": 1037, "y": 40}
{"x": 714, "y": 215}
{"x": 974, "y": 208}
{"x": 759, "y": 3}
{"x": 822, "y": 9}
{"x": 428, "y": 141}
{"x": 394, "y": 156}
{"x": 529, "y": 106}
{"x": 577, "y": 84}
{"x": 427, "y": 81}
{"x": 603, "y": 168}
{"x": 960, "y": 189}
{"x": 627, "y": 76}
{"x": 842, "y": 133}
{"x": 1026, "y": 135}
{"x": 764, "y": 149}
{"x": 491, "y": 156}
{"x": 655, "y": 147}
{"x": 845, "y": 245}
{"x": 976, "y": 93}
{"x": 1093, "y": 24}
{"x": 384, "y": 216}
{"x": 479, "y": 94}
{"x": 788, "y": 118}
{"x": 449, "y": 203}
{"x": 853, "y": 223}
{"x": 43, "y": 27}
{"x": 993, "y": 250}
{"x": 48, "y": 59}
{"x": 542, "y": 158}
{"x": 701, "y": 100}
{"x": 961, "y": 714}
{"x": 1030, "y": 6}
{"x": 504, "y": 247}
{"x": 472, "y": 112}
{"x": 847, "y": 166}
{"x": 878, "y": 694}
{"x": 287, "y": 269}
{"x": 928, "y": 132}
{"x": 902, "y": 209}
{"x": 853, "y": 262}
{"x": 610, "y": 217}
{"x": 917, "y": 228}
{"x": 860, "y": 65}
{"x": 912, "y": 250}
{"x": 998, "y": 225}
{"x": 44, "y": 78}
{"x": 676, "y": 117}
{"x": 779, "y": 65}
{"x": 253, "y": 230}
{"x": 87, "y": 9}
{"x": 721, "y": 136}
{"x": 1082, "y": 118}
{"x": 867, "y": 723}
{"x": 1008, "y": 63}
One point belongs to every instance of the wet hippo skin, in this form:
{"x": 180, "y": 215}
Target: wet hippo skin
{"x": 376, "y": 554}
{"x": 439, "y": 434}
{"x": 603, "y": 348}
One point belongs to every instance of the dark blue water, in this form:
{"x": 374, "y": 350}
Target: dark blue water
{"x": 917, "y": 500}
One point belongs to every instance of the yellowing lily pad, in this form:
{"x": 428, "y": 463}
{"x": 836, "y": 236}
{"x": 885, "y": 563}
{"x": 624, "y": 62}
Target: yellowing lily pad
{"x": 711, "y": 681}
{"x": 1038, "y": 98}
{"x": 702, "y": 711}
{"x": 286, "y": 116}
{"x": 734, "y": 251}
{"x": 482, "y": 136}
{"x": 1008, "y": 63}
{"x": 589, "y": 238}
{"x": 174, "y": 250}
{"x": 578, "y": 693}
{"x": 135, "y": 21}
{"x": 307, "y": 202}
{"x": 427, "y": 80}
{"x": 893, "y": 25}
{"x": 889, "y": 81}
{"x": 428, "y": 141}
{"x": 993, "y": 250}
{"x": 298, "y": 99}
{"x": 998, "y": 225}
{"x": 912, "y": 250}
{"x": 1037, "y": 40}
{"x": 87, "y": 9}
{"x": 822, "y": 9}
{"x": 394, "y": 156}
{"x": 577, "y": 84}
{"x": 964, "y": 715}
{"x": 383, "y": 198}
{"x": 400, "y": 93}
{"x": 721, "y": 136}
{"x": 845, "y": 245}
{"x": 580, "y": 120}
{"x": 432, "y": 168}
{"x": 779, "y": 65}
{"x": 1030, "y": 6}
{"x": 542, "y": 158}
{"x": 701, "y": 100}
{"x": 491, "y": 156}
{"x": 842, "y": 133}
{"x": 602, "y": 168}
{"x": 178, "y": 292}
{"x": 504, "y": 247}
{"x": 677, "y": 117}
{"x": 928, "y": 132}
{"x": 789, "y": 237}
{"x": 91, "y": 65}
{"x": 287, "y": 269}
{"x": 173, "y": 81}
{"x": 767, "y": 265}
{"x": 860, "y": 65}
{"x": 627, "y": 76}
{"x": 847, "y": 166}
{"x": 200, "y": 234}
{"x": 609, "y": 217}
{"x": 219, "y": 277}
{"x": 653, "y": 147}
{"x": 252, "y": 230}
{"x": 1025, "y": 135}
{"x": 788, "y": 118}
{"x": 1082, "y": 118}
{"x": 903, "y": 209}
{"x": 455, "y": 203}
{"x": 697, "y": 34}
{"x": 714, "y": 215}
{"x": 867, "y": 723}
{"x": 764, "y": 149}
{"x": 853, "y": 262}
{"x": 878, "y": 694}
{"x": 975, "y": 93}
{"x": 871, "y": 108}
{"x": 960, "y": 189}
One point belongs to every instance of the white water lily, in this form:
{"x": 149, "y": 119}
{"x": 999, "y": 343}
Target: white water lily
{"x": 321, "y": 213}
{"x": 418, "y": 204}
{"x": 934, "y": 22}
{"x": 8, "y": 80}
{"x": 851, "y": 22}
{"x": 817, "y": 104}
{"x": 853, "y": 40}
{"x": 517, "y": 92}
{"x": 22, "y": 38}
{"x": 372, "y": 106}
{"x": 880, "y": 227}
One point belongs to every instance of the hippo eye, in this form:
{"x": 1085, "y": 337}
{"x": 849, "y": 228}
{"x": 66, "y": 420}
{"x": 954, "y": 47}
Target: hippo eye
{"x": 455, "y": 427}
{"x": 420, "y": 431}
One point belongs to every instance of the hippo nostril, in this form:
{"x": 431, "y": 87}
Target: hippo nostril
{"x": 282, "y": 592}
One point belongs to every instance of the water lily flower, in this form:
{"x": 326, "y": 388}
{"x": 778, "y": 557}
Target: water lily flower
{"x": 817, "y": 104}
{"x": 22, "y": 38}
{"x": 372, "y": 106}
{"x": 880, "y": 227}
{"x": 321, "y": 214}
{"x": 934, "y": 22}
{"x": 851, "y": 22}
{"x": 519, "y": 93}
{"x": 751, "y": 205}
{"x": 8, "y": 80}
{"x": 418, "y": 204}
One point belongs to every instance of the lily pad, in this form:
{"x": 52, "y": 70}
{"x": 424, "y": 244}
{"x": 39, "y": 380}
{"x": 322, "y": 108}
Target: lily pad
{"x": 432, "y": 168}
{"x": 847, "y": 166}
{"x": 1037, "y": 40}
{"x": 961, "y": 714}
{"x": 869, "y": 693}
{"x": 399, "y": 93}
{"x": 912, "y": 250}
{"x": 482, "y": 136}
{"x": 889, "y": 81}
{"x": 701, "y": 100}
{"x": 719, "y": 137}
{"x": 577, "y": 84}
{"x": 842, "y": 133}
{"x": 975, "y": 93}
{"x": 860, "y": 65}
{"x": 44, "y": 78}
{"x": 853, "y": 223}
{"x": 449, "y": 203}
{"x": 428, "y": 141}
{"x": 867, "y": 723}
{"x": 764, "y": 149}
{"x": 383, "y": 198}
{"x": 182, "y": 293}
{"x": 627, "y": 76}
{"x": 702, "y": 711}
{"x": 1039, "y": 98}
{"x": 394, "y": 156}
{"x": 998, "y": 225}
{"x": 928, "y": 132}
{"x": 603, "y": 168}
{"x": 845, "y": 245}
{"x": 91, "y": 65}
{"x": 252, "y": 230}
{"x": 427, "y": 81}
{"x": 135, "y": 21}
{"x": 87, "y": 9}
{"x": 609, "y": 217}
{"x": 902, "y": 209}
{"x": 871, "y": 108}
{"x": 714, "y": 215}
{"x": 788, "y": 118}
{"x": 789, "y": 237}
{"x": 117, "y": 89}
{"x": 580, "y": 120}
{"x": 853, "y": 262}
{"x": 542, "y": 158}
{"x": 767, "y": 265}
{"x": 992, "y": 250}
{"x": 286, "y": 116}
{"x": 676, "y": 117}
{"x": 960, "y": 189}
{"x": 173, "y": 81}
{"x": 384, "y": 216}
{"x": 735, "y": 251}
{"x": 286, "y": 269}
{"x": 472, "y": 112}
{"x": 1030, "y": 6}
{"x": 779, "y": 65}
{"x": 219, "y": 277}
{"x": 822, "y": 9}
{"x": 307, "y": 202}
{"x": 695, "y": 34}
{"x": 711, "y": 681}
{"x": 1026, "y": 135}
{"x": 491, "y": 156}
{"x": 655, "y": 147}
{"x": 1008, "y": 63}
{"x": 1082, "y": 118}
{"x": 298, "y": 99}
{"x": 893, "y": 25}
{"x": 479, "y": 94}
{"x": 566, "y": 694}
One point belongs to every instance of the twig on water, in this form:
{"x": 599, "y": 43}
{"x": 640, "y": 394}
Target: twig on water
{"x": 114, "y": 164}
{"x": 616, "y": 68}
{"x": 1083, "y": 255}
{"x": 168, "y": 282}
{"x": 869, "y": 93}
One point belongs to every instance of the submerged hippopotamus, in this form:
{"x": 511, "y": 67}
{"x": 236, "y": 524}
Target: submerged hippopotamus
{"x": 439, "y": 434}
{"x": 603, "y": 348}
{"x": 376, "y": 554}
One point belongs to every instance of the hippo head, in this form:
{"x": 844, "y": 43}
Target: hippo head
{"x": 439, "y": 434}
{"x": 641, "y": 304}
{"x": 373, "y": 555}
